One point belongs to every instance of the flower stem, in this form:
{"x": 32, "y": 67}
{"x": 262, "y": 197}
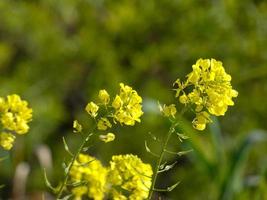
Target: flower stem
{"x": 155, "y": 175}
{"x": 62, "y": 187}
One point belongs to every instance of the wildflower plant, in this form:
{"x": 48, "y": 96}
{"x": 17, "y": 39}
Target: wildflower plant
{"x": 206, "y": 91}
{"x": 84, "y": 175}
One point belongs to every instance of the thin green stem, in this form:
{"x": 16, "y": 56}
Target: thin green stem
{"x": 157, "y": 169}
{"x": 62, "y": 187}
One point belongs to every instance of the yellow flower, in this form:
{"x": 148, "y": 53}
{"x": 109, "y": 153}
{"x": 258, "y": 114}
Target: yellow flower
{"x": 169, "y": 110}
{"x": 15, "y": 114}
{"x": 202, "y": 118}
{"x": 127, "y": 104}
{"x": 91, "y": 171}
{"x": 7, "y": 140}
{"x": 117, "y": 103}
{"x": 128, "y": 173}
{"x": 107, "y": 138}
{"x": 183, "y": 99}
{"x": 104, "y": 97}
{"x": 79, "y": 191}
{"x": 103, "y": 124}
{"x": 92, "y": 109}
{"x": 77, "y": 127}
{"x": 211, "y": 90}
{"x": 126, "y": 178}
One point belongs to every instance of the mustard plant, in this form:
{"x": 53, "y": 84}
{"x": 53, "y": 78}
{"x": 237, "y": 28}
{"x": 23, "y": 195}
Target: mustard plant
{"x": 206, "y": 91}
{"x": 127, "y": 176}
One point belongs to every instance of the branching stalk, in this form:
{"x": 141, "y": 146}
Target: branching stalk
{"x": 64, "y": 184}
{"x": 161, "y": 155}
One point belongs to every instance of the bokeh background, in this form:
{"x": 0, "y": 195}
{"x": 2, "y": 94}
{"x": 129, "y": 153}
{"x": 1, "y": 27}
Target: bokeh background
{"x": 58, "y": 54}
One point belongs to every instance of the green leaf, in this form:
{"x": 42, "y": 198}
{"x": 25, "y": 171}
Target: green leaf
{"x": 66, "y": 147}
{"x": 78, "y": 183}
{"x": 171, "y": 188}
{"x": 182, "y": 137}
{"x": 217, "y": 141}
{"x": 181, "y": 153}
{"x": 233, "y": 181}
{"x": 167, "y": 167}
{"x": 85, "y": 164}
{"x": 85, "y": 149}
{"x": 48, "y": 184}
{"x": 149, "y": 151}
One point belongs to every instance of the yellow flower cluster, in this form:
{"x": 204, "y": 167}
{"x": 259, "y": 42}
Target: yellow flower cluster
{"x": 126, "y": 178}
{"x": 7, "y": 140}
{"x": 107, "y": 138}
{"x": 127, "y": 104}
{"x": 168, "y": 111}
{"x": 125, "y": 108}
{"x": 130, "y": 177}
{"x": 14, "y": 116}
{"x": 91, "y": 174}
{"x": 208, "y": 88}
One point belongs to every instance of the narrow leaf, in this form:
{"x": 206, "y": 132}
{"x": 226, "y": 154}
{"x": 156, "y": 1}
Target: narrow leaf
{"x": 171, "y": 188}
{"x": 85, "y": 164}
{"x": 167, "y": 167}
{"x": 66, "y": 146}
{"x": 162, "y": 165}
{"x": 76, "y": 184}
{"x": 149, "y": 151}
{"x": 87, "y": 139}
{"x": 47, "y": 183}
{"x": 85, "y": 149}
{"x": 182, "y": 137}
{"x": 181, "y": 153}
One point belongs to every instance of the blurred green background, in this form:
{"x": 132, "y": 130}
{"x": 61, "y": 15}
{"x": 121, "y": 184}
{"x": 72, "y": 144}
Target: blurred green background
{"x": 57, "y": 54}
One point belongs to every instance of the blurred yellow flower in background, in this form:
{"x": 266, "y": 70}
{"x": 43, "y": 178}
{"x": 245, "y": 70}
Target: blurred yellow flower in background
{"x": 14, "y": 116}
{"x": 6, "y": 140}
{"x": 168, "y": 111}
